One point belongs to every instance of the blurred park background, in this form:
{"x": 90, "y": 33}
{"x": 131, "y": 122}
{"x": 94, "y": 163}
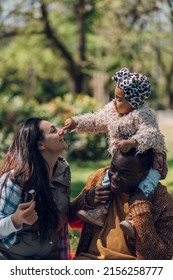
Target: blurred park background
{"x": 57, "y": 59}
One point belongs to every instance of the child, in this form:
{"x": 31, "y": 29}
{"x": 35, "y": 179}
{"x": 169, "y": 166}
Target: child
{"x": 130, "y": 123}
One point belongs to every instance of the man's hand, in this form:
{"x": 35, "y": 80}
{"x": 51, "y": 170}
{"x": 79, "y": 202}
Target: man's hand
{"x": 126, "y": 145}
{"x": 99, "y": 195}
{"x": 70, "y": 124}
{"x": 25, "y": 214}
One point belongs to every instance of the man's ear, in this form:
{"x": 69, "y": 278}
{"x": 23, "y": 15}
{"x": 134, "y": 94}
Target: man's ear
{"x": 41, "y": 146}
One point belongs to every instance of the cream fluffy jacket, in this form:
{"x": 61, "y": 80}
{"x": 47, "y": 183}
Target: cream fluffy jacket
{"x": 139, "y": 124}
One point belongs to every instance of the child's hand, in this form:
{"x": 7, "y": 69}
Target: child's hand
{"x": 25, "y": 214}
{"x": 70, "y": 124}
{"x": 126, "y": 145}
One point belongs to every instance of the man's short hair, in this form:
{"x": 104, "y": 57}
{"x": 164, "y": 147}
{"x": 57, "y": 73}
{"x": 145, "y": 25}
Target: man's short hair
{"x": 146, "y": 158}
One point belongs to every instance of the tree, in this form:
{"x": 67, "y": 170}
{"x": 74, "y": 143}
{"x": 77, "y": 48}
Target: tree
{"x": 39, "y": 17}
{"x": 90, "y": 39}
{"x": 153, "y": 23}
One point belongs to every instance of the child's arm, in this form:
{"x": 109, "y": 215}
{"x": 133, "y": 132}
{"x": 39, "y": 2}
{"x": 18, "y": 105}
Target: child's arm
{"x": 91, "y": 122}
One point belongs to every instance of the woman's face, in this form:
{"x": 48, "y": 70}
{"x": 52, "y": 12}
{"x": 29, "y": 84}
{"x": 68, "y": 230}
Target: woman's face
{"x": 53, "y": 138}
{"x": 125, "y": 173}
{"x": 121, "y": 104}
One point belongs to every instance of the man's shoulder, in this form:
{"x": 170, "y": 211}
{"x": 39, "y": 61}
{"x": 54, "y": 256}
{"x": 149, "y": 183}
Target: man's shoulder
{"x": 162, "y": 197}
{"x": 96, "y": 177}
{"x": 162, "y": 189}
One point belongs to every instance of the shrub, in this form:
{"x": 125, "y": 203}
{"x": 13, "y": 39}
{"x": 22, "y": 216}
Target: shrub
{"x": 81, "y": 145}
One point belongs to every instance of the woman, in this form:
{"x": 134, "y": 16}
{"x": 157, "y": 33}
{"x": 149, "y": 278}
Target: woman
{"x": 35, "y": 194}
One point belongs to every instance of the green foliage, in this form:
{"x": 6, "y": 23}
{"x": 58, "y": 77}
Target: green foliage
{"x": 15, "y": 110}
{"x": 90, "y": 35}
{"x": 168, "y": 181}
{"x": 29, "y": 69}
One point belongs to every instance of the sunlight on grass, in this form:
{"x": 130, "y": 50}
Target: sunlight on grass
{"x": 168, "y": 181}
{"x": 167, "y": 131}
{"x": 80, "y": 172}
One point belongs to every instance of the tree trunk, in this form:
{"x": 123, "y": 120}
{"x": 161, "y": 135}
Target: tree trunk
{"x": 30, "y": 85}
{"x": 77, "y": 78}
{"x": 74, "y": 67}
{"x": 168, "y": 88}
{"x": 99, "y": 88}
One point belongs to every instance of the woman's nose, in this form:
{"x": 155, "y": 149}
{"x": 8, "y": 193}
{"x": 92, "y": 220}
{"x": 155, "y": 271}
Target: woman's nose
{"x": 60, "y": 131}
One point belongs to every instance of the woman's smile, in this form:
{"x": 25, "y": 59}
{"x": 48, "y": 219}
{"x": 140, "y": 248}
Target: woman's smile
{"x": 62, "y": 140}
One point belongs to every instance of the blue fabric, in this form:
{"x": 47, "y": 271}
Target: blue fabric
{"x": 106, "y": 182}
{"x": 10, "y": 199}
{"x": 149, "y": 184}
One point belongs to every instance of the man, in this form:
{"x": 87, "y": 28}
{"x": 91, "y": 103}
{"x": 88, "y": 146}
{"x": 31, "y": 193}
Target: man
{"x": 152, "y": 216}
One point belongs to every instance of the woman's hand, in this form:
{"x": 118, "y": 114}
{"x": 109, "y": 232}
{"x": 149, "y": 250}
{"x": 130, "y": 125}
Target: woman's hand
{"x": 98, "y": 195}
{"x": 25, "y": 214}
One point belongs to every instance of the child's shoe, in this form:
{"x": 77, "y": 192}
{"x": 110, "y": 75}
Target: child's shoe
{"x": 128, "y": 228}
{"x": 95, "y": 216}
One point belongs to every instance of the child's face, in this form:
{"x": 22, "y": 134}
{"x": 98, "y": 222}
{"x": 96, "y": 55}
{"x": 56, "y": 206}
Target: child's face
{"x": 121, "y": 104}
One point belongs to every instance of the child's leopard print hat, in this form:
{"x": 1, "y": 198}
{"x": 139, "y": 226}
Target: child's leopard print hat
{"x": 136, "y": 86}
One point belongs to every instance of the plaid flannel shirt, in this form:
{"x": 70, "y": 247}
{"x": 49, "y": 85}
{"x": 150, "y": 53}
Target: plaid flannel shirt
{"x": 9, "y": 201}
{"x": 63, "y": 249}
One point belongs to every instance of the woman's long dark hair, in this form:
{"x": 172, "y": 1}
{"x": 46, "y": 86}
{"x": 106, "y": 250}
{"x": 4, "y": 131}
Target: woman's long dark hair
{"x": 30, "y": 171}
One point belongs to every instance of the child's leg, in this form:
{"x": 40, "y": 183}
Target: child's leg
{"x": 149, "y": 184}
{"x": 96, "y": 216}
{"x": 127, "y": 226}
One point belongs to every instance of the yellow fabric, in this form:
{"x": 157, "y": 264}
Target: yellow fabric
{"x": 108, "y": 243}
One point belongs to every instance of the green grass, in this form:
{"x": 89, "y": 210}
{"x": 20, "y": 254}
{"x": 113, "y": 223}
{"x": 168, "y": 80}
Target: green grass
{"x": 168, "y": 181}
{"x": 80, "y": 171}
{"x": 167, "y": 132}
